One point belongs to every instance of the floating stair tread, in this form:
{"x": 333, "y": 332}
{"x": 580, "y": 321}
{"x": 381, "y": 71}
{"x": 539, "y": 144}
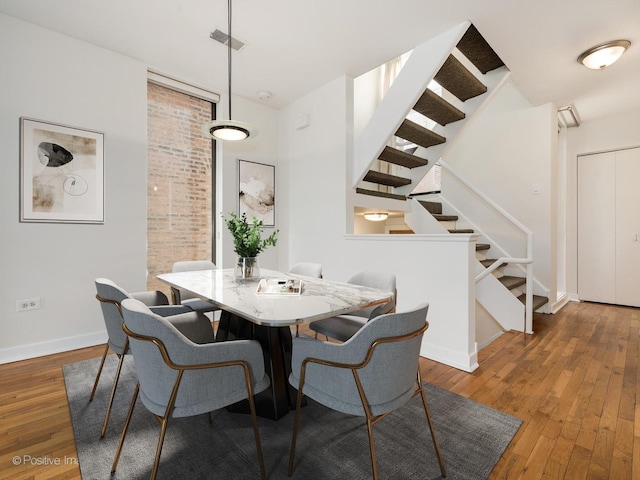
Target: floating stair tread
{"x": 482, "y": 246}
{"x": 538, "y": 301}
{"x": 402, "y": 158}
{"x": 436, "y": 108}
{"x": 478, "y": 51}
{"x": 455, "y": 77}
{"x": 461, "y": 230}
{"x": 488, "y": 262}
{"x": 431, "y": 207}
{"x": 375, "y": 193}
{"x": 419, "y": 135}
{"x": 386, "y": 179}
{"x": 512, "y": 282}
{"x": 445, "y": 218}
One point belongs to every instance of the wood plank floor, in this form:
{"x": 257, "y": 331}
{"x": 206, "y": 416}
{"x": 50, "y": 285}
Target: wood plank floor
{"x": 574, "y": 384}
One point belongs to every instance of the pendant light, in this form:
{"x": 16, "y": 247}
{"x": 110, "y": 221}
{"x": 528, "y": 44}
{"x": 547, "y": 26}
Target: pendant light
{"x": 229, "y": 130}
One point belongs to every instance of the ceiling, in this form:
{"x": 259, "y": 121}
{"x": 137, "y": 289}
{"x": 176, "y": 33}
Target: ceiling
{"x": 295, "y": 46}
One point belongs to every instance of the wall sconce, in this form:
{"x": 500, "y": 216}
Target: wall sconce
{"x": 603, "y": 55}
{"x": 376, "y": 217}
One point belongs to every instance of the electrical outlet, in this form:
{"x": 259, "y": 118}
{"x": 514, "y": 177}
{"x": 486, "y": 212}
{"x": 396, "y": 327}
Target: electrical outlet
{"x": 27, "y": 304}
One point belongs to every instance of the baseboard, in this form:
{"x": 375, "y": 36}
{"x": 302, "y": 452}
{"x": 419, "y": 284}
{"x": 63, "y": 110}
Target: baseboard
{"x": 455, "y": 359}
{"x": 33, "y": 350}
{"x": 562, "y": 300}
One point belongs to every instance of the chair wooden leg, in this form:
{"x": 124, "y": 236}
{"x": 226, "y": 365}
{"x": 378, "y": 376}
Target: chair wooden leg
{"x": 95, "y": 384}
{"x": 256, "y": 433}
{"x": 165, "y": 422}
{"x": 372, "y": 449}
{"x": 124, "y": 430}
{"x": 156, "y": 462}
{"x": 433, "y": 432}
{"x": 296, "y": 420}
{"x": 113, "y": 389}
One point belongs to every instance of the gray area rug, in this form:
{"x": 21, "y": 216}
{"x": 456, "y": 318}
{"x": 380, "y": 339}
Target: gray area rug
{"x": 330, "y": 445}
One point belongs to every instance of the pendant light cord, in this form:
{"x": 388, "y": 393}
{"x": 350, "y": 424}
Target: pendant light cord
{"x": 229, "y": 55}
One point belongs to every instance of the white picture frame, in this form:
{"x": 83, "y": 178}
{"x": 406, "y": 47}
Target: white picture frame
{"x": 61, "y": 173}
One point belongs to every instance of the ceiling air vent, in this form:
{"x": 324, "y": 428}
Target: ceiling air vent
{"x": 223, "y": 38}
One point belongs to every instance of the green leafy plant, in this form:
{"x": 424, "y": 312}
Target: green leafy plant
{"x": 247, "y": 237}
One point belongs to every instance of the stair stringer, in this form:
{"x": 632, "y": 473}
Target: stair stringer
{"x": 421, "y": 67}
{"x": 501, "y": 304}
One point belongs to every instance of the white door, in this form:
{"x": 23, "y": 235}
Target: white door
{"x": 596, "y": 228}
{"x": 609, "y": 227}
{"x": 628, "y": 227}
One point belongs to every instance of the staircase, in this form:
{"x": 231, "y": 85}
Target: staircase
{"x": 461, "y": 75}
{"x": 513, "y": 283}
{"x": 411, "y": 129}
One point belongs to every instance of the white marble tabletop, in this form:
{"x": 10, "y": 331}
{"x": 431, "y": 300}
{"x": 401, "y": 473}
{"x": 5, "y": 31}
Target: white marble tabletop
{"x": 319, "y": 298}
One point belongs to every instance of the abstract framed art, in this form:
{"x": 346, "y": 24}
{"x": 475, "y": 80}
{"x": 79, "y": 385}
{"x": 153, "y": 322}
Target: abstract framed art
{"x": 257, "y": 191}
{"x": 61, "y": 173}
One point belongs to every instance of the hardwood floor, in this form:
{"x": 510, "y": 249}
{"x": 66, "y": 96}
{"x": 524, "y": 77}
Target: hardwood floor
{"x": 574, "y": 384}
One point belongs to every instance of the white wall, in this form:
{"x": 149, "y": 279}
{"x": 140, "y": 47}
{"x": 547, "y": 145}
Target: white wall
{"x": 314, "y": 159}
{"x": 367, "y": 90}
{"x": 53, "y": 77}
{"x": 611, "y": 133}
{"x": 506, "y": 149}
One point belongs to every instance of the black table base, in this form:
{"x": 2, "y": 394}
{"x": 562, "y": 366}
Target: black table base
{"x": 276, "y": 342}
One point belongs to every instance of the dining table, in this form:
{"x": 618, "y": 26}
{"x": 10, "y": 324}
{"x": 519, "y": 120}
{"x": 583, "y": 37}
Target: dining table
{"x": 248, "y": 314}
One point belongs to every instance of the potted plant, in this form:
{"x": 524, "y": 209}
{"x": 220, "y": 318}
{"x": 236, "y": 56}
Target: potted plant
{"x": 248, "y": 243}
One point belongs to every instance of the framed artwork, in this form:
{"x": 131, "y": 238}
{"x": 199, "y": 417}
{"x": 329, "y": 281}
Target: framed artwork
{"x": 257, "y": 191}
{"x": 61, "y": 173}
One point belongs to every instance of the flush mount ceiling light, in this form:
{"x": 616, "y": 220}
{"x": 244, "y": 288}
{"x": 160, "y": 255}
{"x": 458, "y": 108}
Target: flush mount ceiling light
{"x": 376, "y": 217}
{"x": 229, "y": 129}
{"x": 568, "y": 116}
{"x": 603, "y": 55}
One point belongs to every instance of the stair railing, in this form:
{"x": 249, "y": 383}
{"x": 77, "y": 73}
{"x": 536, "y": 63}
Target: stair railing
{"x": 528, "y": 260}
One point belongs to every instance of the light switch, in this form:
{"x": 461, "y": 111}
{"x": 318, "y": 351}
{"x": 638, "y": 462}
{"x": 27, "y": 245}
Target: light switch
{"x": 302, "y": 121}
{"x": 535, "y": 189}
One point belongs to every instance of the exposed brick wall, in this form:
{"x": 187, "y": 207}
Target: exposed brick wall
{"x": 179, "y": 182}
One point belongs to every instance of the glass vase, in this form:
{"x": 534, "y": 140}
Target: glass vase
{"x": 247, "y": 269}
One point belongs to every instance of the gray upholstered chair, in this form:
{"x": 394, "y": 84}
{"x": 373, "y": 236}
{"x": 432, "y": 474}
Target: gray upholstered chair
{"x": 181, "y": 297}
{"x": 343, "y": 327}
{"x": 179, "y": 378}
{"x": 110, "y": 297}
{"x": 307, "y": 269}
{"x": 370, "y": 375}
